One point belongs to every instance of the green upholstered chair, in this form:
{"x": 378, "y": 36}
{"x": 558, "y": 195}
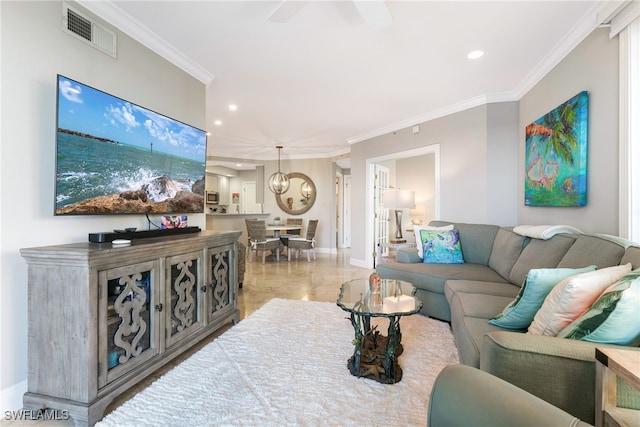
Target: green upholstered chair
{"x": 466, "y": 396}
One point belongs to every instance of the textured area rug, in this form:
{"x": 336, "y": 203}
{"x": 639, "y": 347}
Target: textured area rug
{"x": 286, "y": 365}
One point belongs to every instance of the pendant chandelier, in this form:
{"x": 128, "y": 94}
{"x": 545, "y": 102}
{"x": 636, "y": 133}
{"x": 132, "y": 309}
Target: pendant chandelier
{"x": 279, "y": 181}
{"x": 305, "y": 189}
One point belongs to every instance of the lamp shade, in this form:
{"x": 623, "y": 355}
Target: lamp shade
{"x": 399, "y": 199}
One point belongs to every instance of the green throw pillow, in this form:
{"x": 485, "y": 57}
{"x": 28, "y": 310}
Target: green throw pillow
{"x": 441, "y": 247}
{"x": 613, "y": 318}
{"x": 519, "y": 314}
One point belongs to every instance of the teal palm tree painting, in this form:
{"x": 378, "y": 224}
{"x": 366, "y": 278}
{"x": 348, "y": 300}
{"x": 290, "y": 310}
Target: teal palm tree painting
{"x": 556, "y": 156}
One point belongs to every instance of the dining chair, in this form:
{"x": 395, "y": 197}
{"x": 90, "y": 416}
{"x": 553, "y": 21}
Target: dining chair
{"x": 292, "y": 222}
{"x": 259, "y": 241}
{"x": 284, "y": 238}
{"x": 248, "y": 251}
{"x": 307, "y": 244}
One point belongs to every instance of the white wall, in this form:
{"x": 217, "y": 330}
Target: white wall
{"x": 418, "y": 174}
{"x": 502, "y": 148}
{"x": 34, "y": 49}
{"x": 591, "y": 66}
{"x": 469, "y": 176}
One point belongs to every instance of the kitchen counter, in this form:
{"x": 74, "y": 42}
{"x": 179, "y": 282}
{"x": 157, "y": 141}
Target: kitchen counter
{"x": 260, "y": 215}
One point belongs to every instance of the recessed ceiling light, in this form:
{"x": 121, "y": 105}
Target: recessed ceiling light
{"x": 233, "y": 107}
{"x": 239, "y": 165}
{"x": 208, "y": 133}
{"x": 217, "y": 122}
{"x": 475, "y": 54}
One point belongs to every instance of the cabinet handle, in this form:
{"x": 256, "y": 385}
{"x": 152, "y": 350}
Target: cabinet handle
{"x": 159, "y": 307}
{"x": 203, "y": 288}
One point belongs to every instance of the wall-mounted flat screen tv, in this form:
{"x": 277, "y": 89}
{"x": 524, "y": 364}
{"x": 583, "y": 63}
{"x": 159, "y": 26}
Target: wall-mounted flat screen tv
{"x": 116, "y": 157}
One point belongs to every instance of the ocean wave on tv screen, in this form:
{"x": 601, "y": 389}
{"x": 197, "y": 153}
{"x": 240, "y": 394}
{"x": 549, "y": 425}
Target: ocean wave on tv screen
{"x": 87, "y": 168}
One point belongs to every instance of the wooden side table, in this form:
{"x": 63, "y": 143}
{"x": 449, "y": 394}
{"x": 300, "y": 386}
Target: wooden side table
{"x": 610, "y": 364}
{"x": 393, "y": 247}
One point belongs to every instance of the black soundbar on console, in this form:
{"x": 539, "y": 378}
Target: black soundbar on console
{"x": 110, "y": 236}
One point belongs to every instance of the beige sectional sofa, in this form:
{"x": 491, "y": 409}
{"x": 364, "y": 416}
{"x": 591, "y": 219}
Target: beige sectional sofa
{"x": 496, "y": 262}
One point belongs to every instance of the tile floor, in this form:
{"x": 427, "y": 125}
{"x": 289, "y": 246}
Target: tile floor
{"x": 318, "y": 280}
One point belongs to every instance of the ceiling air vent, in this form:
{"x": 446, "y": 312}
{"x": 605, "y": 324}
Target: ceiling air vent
{"x": 90, "y": 32}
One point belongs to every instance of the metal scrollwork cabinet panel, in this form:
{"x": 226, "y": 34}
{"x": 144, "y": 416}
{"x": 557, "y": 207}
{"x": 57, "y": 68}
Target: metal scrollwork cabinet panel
{"x": 102, "y": 318}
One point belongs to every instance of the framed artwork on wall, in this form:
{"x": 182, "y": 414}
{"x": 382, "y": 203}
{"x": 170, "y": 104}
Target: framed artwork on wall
{"x": 556, "y": 155}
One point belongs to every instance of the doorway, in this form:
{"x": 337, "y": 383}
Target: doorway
{"x": 429, "y": 197}
{"x": 380, "y": 214}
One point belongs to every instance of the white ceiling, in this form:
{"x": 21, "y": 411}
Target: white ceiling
{"x": 325, "y": 78}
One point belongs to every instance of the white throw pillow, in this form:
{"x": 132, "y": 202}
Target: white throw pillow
{"x": 572, "y": 297}
{"x": 417, "y": 228}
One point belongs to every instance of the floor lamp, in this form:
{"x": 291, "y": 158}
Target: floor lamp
{"x": 398, "y": 200}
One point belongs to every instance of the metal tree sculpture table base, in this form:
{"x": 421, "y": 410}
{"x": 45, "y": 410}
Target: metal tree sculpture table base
{"x": 376, "y": 356}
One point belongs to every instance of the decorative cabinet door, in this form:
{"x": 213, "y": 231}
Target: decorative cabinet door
{"x": 128, "y": 318}
{"x": 184, "y": 295}
{"x": 220, "y": 281}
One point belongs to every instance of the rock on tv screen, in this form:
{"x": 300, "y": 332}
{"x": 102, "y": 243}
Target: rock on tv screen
{"x": 116, "y": 157}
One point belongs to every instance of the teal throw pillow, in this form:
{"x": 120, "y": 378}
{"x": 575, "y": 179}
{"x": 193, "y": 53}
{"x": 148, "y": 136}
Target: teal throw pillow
{"x": 441, "y": 247}
{"x": 614, "y": 318}
{"x": 519, "y": 314}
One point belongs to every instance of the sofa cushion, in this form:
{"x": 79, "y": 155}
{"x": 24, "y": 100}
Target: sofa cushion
{"x": 478, "y": 305}
{"x": 613, "y": 318}
{"x": 476, "y": 240}
{"x": 468, "y": 334}
{"x": 441, "y": 247}
{"x": 539, "y": 282}
{"x": 432, "y": 276}
{"x": 503, "y": 289}
{"x": 632, "y": 255}
{"x": 592, "y": 250}
{"x": 571, "y": 297}
{"x": 507, "y": 247}
{"x": 540, "y": 254}
{"x": 408, "y": 255}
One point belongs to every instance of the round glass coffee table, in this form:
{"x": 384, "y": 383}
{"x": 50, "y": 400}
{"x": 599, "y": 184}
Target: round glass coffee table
{"x": 376, "y": 356}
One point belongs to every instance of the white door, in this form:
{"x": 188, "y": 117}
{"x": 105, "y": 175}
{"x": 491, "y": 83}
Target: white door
{"x": 248, "y": 201}
{"x": 381, "y": 222}
{"x": 346, "y": 211}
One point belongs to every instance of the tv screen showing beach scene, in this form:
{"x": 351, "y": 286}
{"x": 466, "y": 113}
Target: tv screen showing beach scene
{"x": 116, "y": 157}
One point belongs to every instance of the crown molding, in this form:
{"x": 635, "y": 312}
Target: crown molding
{"x": 115, "y": 16}
{"x": 574, "y": 37}
{"x": 577, "y": 34}
{"x": 432, "y": 115}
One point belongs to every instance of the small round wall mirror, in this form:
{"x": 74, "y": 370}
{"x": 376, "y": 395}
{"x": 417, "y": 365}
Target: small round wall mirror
{"x": 300, "y": 196}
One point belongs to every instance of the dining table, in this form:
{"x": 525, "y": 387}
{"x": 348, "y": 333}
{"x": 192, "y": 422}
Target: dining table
{"x": 277, "y": 228}
{"x": 284, "y": 239}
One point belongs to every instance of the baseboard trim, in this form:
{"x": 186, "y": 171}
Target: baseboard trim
{"x": 361, "y": 263}
{"x": 11, "y": 397}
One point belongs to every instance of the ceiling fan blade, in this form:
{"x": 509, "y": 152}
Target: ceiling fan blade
{"x": 374, "y": 12}
{"x": 286, "y": 9}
